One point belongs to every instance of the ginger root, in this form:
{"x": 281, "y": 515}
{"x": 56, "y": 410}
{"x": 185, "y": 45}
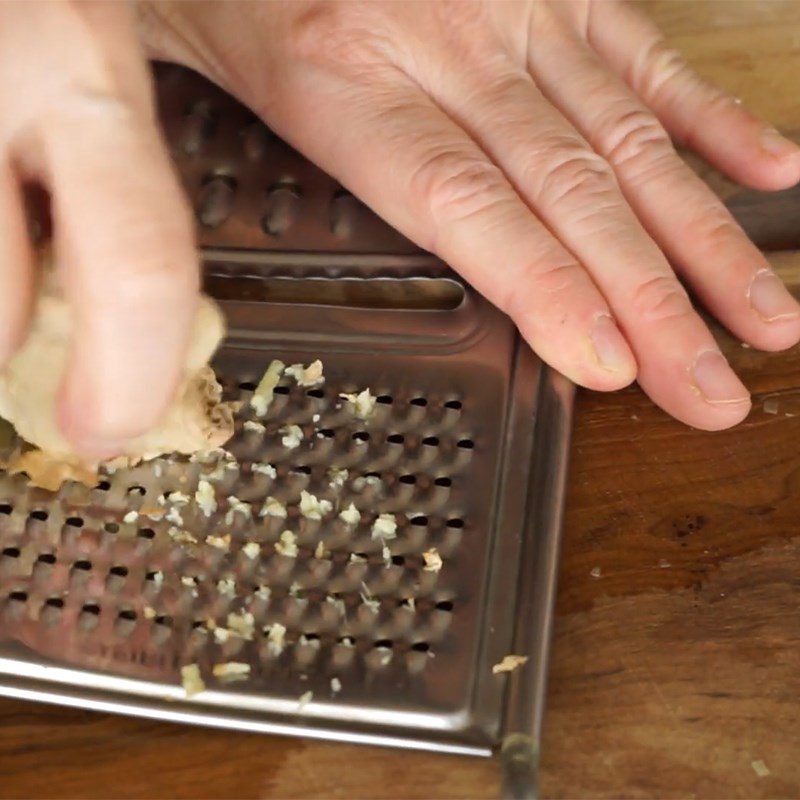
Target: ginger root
{"x": 196, "y": 421}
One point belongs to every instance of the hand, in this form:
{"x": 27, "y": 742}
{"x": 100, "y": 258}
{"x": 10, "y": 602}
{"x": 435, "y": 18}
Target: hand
{"x": 527, "y": 144}
{"x": 78, "y": 119}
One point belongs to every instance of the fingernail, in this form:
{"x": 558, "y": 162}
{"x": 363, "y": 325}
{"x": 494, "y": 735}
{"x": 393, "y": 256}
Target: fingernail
{"x": 776, "y": 144}
{"x": 770, "y": 299}
{"x": 716, "y": 381}
{"x": 610, "y": 347}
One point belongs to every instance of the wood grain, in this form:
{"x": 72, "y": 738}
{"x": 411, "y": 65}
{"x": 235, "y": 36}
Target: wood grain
{"x": 676, "y": 660}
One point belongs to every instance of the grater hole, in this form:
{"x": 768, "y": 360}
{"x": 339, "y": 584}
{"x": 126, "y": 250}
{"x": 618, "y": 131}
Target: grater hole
{"x": 431, "y": 441}
{"x": 247, "y": 386}
{"x": 83, "y": 565}
{"x": 91, "y": 608}
{"x": 151, "y": 576}
{"x": 327, "y": 433}
{"x": 419, "y": 401}
{"x": 409, "y": 480}
{"x": 18, "y": 597}
{"x": 455, "y": 405}
{"x": 311, "y": 637}
{"x": 398, "y": 561}
{"x": 111, "y": 527}
{"x": 281, "y": 390}
{"x": 361, "y": 436}
{"x": 443, "y": 482}
{"x": 383, "y": 644}
{"x": 146, "y": 533}
{"x": 11, "y": 552}
{"x": 103, "y": 486}
{"x": 119, "y": 570}
{"x": 137, "y": 489}
{"x": 420, "y": 520}
{"x": 317, "y": 393}
{"x": 445, "y": 605}
{"x": 198, "y": 624}
{"x": 75, "y": 522}
{"x": 163, "y": 619}
{"x": 384, "y": 399}
{"x": 39, "y": 515}
{"x": 465, "y": 444}
{"x": 303, "y": 469}
{"x": 46, "y": 558}
{"x": 455, "y": 522}
{"x": 5, "y": 508}
{"x": 54, "y": 602}
{"x": 420, "y": 647}
{"x": 127, "y": 614}
{"x": 395, "y": 438}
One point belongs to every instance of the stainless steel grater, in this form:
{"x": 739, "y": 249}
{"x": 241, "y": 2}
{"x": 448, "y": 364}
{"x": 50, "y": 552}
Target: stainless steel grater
{"x": 101, "y": 605}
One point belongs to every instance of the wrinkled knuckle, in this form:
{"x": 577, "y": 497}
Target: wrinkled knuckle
{"x": 556, "y": 277}
{"x": 335, "y": 34}
{"x": 580, "y": 173}
{"x": 453, "y": 186}
{"x": 661, "y": 66}
{"x": 636, "y": 137}
{"x": 660, "y": 299}
{"x": 713, "y": 225}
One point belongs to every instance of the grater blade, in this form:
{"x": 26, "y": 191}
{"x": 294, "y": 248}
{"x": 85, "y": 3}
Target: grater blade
{"x": 103, "y": 598}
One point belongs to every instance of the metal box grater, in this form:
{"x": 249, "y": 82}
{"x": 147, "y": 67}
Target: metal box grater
{"x": 467, "y": 449}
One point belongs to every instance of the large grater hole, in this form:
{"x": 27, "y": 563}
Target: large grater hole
{"x": 302, "y": 469}
{"x": 82, "y": 566}
{"x": 327, "y": 433}
{"x": 408, "y": 480}
{"x": 384, "y": 399}
{"x": 247, "y": 386}
{"x": 383, "y": 644}
{"x": 361, "y": 436}
{"x": 119, "y": 571}
{"x": 443, "y": 481}
{"x": 316, "y": 393}
{"x": 420, "y": 520}
{"x": 146, "y": 533}
{"x": 111, "y": 527}
{"x": 395, "y": 438}
{"x": 398, "y": 561}
{"x": 103, "y": 486}
{"x": 18, "y": 597}
{"x": 281, "y": 390}
{"x": 445, "y": 605}
{"x": 46, "y": 558}
{"x": 54, "y": 602}
{"x": 419, "y": 401}
{"x": 39, "y": 515}
{"x": 74, "y": 522}
{"x": 455, "y": 405}
{"x": 11, "y": 552}
{"x": 91, "y": 608}
{"x": 136, "y": 489}
{"x": 431, "y": 441}
{"x": 455, "y": 522}
{"x": 465, "y": 444}
{"x": 163, "y": 620}
{"x": 421, "y": 647}
{"x": 5, "y": 508}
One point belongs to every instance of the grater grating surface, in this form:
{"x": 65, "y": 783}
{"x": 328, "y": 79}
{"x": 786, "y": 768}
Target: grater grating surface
{"x": 101, "y": 607}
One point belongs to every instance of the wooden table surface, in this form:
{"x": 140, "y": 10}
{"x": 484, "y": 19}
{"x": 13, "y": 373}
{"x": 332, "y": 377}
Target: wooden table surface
{"x": 676, "y": 660}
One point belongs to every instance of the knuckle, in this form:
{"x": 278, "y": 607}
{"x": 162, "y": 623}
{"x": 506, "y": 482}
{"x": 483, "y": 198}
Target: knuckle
{"x": 335, "y": 34}
{"x": 556, "y": 277}
{"x": 452, "y": 185}
{"x": 656, "y": 70}
{"x": 661, "y": 298}
{"x": 575, "y": 172}
{"x": 634, "y": 137}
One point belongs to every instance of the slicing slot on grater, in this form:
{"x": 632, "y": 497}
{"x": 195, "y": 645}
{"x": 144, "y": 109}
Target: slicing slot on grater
{"x": 106, "y": 593}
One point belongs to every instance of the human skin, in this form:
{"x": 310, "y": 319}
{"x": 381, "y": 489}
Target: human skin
{"x": 528, "y": 144}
